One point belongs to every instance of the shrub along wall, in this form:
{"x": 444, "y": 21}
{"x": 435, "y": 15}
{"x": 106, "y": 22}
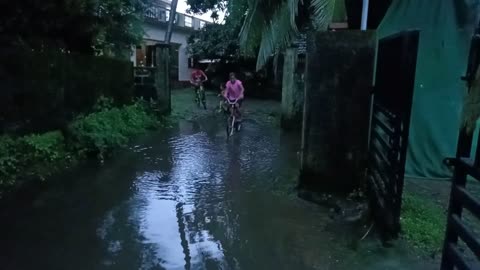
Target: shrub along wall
{"x": 42, "y": 91}
{"x": 30, "y": 158}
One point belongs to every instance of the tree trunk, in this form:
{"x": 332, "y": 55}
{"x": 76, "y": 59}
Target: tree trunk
{"x": 173, "y": 12}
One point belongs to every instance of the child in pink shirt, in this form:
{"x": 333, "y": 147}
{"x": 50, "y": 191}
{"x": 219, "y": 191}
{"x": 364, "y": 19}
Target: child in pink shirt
{"x": 234, "y": 89}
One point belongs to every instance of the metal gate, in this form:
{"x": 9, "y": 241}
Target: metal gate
{"x": 389, "y": 128}
{"x": 460, "y": 197}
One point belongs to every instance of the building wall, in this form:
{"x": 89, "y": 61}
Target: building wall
{"x": 157, "y": 34}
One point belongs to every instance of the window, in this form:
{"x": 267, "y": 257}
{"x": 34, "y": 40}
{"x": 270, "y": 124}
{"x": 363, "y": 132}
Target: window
{"x": 202, "y": 24}
{"x": 188, "y": 21}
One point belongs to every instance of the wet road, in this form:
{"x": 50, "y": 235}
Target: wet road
{"x": 187, "y": 198}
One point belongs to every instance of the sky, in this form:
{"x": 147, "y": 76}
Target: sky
{"x": 182, "y": 7}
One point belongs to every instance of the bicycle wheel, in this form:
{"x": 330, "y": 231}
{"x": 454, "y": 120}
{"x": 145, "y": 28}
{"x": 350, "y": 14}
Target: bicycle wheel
{"x": 228, "y": 126}
{"x": 238, "y": 124}
{"x": 197, "y": 99}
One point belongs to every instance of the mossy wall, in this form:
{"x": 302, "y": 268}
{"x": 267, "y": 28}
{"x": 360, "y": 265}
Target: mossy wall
{"x": 40, "y": 91}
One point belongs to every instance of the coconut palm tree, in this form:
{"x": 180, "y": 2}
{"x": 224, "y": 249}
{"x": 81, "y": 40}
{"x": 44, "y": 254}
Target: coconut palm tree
{"x": 272, "y": 25}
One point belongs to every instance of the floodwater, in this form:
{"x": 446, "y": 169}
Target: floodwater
{"x": 188, "y": 198}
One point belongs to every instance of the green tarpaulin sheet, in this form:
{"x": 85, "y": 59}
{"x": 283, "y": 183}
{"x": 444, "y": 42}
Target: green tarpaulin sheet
{"x": 445, "y": 30}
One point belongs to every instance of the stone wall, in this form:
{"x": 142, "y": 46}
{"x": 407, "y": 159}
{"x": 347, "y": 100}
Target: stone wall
{"x": 40, "y": 91}
{"x": 339, "y": 72}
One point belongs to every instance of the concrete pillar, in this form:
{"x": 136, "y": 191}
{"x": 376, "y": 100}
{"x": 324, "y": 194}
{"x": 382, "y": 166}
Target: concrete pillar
{"x": 183, "y": 71}
{"x": 162, "y": 77}
{"x": 339, "y": 72}
{"x": 292, "y": 92}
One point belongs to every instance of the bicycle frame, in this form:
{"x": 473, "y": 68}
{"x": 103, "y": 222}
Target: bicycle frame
{"x": 200, "y": 95}
{"x": 232, "y": 118}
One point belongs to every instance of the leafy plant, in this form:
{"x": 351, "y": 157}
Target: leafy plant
{"x": 270, "y": 26}
{"x": 110, "y": 128}
{"x": 220, "y": 41}
{"x": 42, "y": 154}
{"x": 103, "y": 103}
{"x": 8, "y": 161}
{"x": 38, "y": 156}
{"x": 47, "y": 147}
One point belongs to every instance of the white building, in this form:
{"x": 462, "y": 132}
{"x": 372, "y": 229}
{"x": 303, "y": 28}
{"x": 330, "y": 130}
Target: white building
{"x": 155, "y": 26}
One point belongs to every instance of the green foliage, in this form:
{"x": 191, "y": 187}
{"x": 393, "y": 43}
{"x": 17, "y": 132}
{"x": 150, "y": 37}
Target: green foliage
{"x": 8, "y": 161}
{"x": 270, "y": 26}
{"x": 41, "y": 155}
{"x": 119, "y": 25}
{"x": 423, "y": 223}
{"x": 105, "y": 26}
{"x": 110, "y": 128}
{"x": 220, "y": 41}
{"x": 38, "y": 156}
{"x": 46, "y": 147}
{"x": 202, "y": 6}
{"x": 215, "y": 41}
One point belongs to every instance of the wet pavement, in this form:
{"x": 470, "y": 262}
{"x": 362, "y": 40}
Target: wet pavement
{"x": 188, "y": 198}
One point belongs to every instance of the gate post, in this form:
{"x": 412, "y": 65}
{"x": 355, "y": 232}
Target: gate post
{"x": 292, "y": 94}
{"x": 338, "y": 77}
{"x": 162, "y": 77}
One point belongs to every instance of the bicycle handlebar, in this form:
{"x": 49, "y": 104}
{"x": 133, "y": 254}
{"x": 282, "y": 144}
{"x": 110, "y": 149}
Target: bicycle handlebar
{"x": 232, "y": 103}
{"x": 198, "y": 82}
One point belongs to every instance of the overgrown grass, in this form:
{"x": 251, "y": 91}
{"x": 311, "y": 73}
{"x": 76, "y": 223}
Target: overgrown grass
{"x": 38, "y": 156}
{"x": 423, "y": 223}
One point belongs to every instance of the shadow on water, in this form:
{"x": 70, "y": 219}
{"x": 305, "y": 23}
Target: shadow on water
{"x": 186, "y": 198}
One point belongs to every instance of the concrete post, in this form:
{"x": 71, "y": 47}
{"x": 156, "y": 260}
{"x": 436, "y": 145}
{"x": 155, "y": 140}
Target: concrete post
{"x": 162, "y": 77}
{"x": 292, "y": 92}
{"x": 339, "y": 72}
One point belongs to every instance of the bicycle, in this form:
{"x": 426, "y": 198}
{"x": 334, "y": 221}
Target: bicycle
{"x": 232, "y": 123}
{"x": 200, "y": 96}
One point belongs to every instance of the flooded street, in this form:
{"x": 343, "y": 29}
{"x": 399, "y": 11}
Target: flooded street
{"x": 188, "y": 198}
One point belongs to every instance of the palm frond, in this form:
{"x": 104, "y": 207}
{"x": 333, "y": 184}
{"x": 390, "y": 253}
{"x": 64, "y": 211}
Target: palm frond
{"x": 322, "y": 13}
{"x": 271, "y": 25}
{"x": 279, "y": 32}
{"x": 252, "y": 28}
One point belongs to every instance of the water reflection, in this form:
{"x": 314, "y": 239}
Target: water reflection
{"x": 176, "y": 214}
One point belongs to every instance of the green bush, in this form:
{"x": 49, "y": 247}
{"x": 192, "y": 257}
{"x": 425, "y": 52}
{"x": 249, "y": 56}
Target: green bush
{"x": 423, "y": 223}
{"x": 110, "y": 128}
{"x": 38, "y": 156}
{"x": 42, "y": 155}
{"x": 9, "y": 164}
